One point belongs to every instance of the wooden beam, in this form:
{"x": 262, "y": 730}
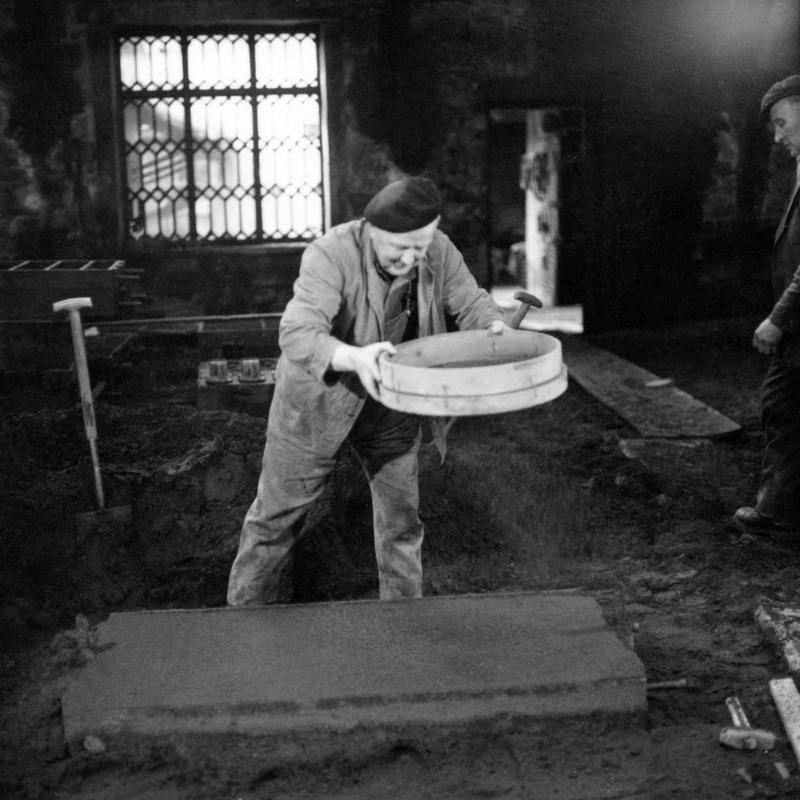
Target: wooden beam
{"x": 652, "y": 405}
{"x": 786, "y": 698}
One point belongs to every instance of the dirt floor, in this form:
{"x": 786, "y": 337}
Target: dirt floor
{"x": 560, "y": 497}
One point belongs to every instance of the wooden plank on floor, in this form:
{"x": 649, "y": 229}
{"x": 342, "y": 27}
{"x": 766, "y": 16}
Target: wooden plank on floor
{"x": 662, "y": 411}
{"x": 784, "y": 694}
{"x": 781, "y": 624}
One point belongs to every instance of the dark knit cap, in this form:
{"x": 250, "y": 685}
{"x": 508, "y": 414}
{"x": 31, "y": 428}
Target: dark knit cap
{"x": 404, "y": 205}
{"x": 788, "y": 87}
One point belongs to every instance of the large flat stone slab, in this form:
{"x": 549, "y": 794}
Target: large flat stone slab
{"x": 335, "y": 666}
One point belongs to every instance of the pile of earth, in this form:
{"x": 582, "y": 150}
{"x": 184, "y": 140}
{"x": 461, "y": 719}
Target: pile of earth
{"x": 188, "y": 477}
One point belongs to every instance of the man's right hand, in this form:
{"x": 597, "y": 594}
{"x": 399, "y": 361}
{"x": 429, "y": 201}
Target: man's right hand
{"x": 364, "y": 362}
{"x": 767, "y": 337}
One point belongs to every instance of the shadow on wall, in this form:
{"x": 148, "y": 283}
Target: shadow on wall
{"x": 55, "y": 148}
{"x": 398, "y": 75}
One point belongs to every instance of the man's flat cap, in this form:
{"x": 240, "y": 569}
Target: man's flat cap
{"x": 404, "y": 205}
{"x": 788, "y": 87}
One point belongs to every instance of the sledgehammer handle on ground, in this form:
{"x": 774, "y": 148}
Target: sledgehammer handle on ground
{"x": 526, "y": 300}
{"x": 742, "y": 736}
{"x": 73, "y": 306}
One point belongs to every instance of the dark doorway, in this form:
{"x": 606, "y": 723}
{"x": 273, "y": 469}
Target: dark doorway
{"x": 536, "y": 201}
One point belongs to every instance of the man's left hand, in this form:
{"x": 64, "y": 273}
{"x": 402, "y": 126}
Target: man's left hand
{"x": 497, "y": 327}
{"x": 767, "y": 337}
{"x": 364, "y": 362}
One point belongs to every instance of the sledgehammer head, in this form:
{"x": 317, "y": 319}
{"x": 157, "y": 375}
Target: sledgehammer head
{"x": 526, "y": 300}
{"x": 73, "y": 304}
{"x": 747, "y": 738}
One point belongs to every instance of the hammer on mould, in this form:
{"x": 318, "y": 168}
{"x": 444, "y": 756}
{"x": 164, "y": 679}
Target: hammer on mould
{"x": 526, "y": 300}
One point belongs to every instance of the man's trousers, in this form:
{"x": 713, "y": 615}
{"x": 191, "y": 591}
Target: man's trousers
{"x": 779, "y": 488}
{"x": 294, "y": 474}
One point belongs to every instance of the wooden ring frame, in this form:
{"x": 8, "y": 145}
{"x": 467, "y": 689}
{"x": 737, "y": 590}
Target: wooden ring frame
{"x": 472, "y": 372}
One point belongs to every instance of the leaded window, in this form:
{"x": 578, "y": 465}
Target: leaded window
{"x": 222, "y": 134}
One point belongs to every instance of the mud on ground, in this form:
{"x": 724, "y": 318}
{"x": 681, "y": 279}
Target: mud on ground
{"x": 560, "y": 497}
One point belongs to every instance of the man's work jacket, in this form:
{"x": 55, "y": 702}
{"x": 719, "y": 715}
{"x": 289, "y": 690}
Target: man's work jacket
{"x": 786, "y": 279}
{"x": 338, "y": 298}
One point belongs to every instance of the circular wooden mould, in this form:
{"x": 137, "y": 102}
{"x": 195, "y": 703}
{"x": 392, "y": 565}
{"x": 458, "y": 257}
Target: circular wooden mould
{"x": 471, "y": 372}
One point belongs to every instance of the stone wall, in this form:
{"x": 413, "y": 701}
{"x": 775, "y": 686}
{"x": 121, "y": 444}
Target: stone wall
{"x": 677, "y": 165}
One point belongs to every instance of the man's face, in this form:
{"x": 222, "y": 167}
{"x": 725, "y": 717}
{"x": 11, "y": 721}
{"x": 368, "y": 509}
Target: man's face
{"x": 785, "y": 118}
{"x": 400, "y": 253}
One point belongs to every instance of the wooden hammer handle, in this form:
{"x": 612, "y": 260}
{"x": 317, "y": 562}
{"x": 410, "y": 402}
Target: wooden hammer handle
{"x": 737, "y": 712}
{"x": 73, "y": 306}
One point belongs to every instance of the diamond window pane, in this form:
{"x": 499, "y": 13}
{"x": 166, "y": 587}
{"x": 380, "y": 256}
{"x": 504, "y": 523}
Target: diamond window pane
{"x": 284, "y": 208}
{"x": 182, "y": 220}
{"x": 249, "y": 219}
{"x": 168, "y": 120}
{"x": 218, "y": 216}
{"x": 151, "y": 219}
{"x": 286, "y": 60}
{"x": 222, "y": 118}
{"x": 152, "y": 62}
{"x": 133, "y": 167}
{"x": 218, "y": 62}
{"x": 166, "y": 218}
{"x": 139, "y": 123}
{"x": 288, "y": 116}
{"x": 203, "y": 214}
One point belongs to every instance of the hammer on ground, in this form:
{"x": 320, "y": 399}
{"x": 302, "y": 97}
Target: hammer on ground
{"x": 526, "y": 300}
{"x": 742, "y": 736}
